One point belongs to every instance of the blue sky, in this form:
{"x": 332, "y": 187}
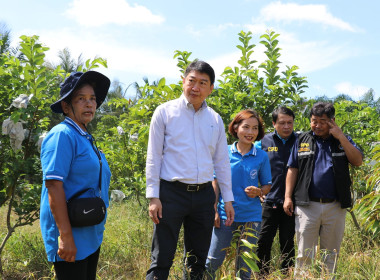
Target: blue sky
{"x": 335, "y": 43}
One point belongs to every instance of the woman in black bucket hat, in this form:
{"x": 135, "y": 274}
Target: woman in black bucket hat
{"x": 102, "y": 84}
{"x": 71, "y": 163}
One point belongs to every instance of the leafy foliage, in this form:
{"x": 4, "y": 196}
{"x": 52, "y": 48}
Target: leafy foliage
{"x": 20, "y": 182}
{"x": 126, "y": 152}
{"x": 243, "y": 87}
{"x": 369, "y": 206}
{"x": 121, "y": 125}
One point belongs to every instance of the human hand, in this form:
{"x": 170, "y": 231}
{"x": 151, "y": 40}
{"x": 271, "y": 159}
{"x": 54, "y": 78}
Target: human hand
{"x": 230, "y": 212}
{"x": 262, "y": 198}
{"x": 288, "y": 206}
{"x": 335, "y": 130}
{"x": 155, "y": 210}
{"x": 66, "y": 248}
{"x": 217, "y": 220}
{"x": 252, "y": 191}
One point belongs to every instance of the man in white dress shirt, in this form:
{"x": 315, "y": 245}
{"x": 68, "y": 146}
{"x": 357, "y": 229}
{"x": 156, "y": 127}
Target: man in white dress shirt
{"x": 187, "y": 144}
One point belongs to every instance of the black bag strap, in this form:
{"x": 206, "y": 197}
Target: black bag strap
{"x": 96, "y": 150}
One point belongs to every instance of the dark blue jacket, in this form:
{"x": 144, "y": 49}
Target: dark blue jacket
{"x": 278, "y": 154}
{"x": 306, "y": 150}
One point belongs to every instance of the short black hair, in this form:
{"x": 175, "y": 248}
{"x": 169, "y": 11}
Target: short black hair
{"x": 321, "y": 108}
{"x": 282, "y": 110}
{"x": 202, "y": 67}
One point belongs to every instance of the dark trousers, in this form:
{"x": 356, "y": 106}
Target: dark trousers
{"x": 275, "y": 218}
{"x": 195, "y": 210}
{"x": 79, "y": 270}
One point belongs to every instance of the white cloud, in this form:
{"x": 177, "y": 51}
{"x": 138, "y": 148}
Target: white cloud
{"x": 220, "y": 28}
{"x": 318, "y": 91}
{"x": 99, "y": 12}
{"x": 196, "y": 33}
{"x": 257, "y": 28}
{"x": 308, "y": 56}
{"x": 215, "y": 30}
{"x": 288, "y": 12}
{"x": 127, "y": 63}
{"x": 314, "y": 55}
{"x": 355, "y": 91}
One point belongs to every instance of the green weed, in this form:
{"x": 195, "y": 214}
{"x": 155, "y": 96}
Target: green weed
{"x": 125, "y": 252}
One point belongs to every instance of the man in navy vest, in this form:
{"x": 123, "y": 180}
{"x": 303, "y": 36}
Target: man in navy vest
{"x": 278, "y": 145}
{"x": 318, "y": 184}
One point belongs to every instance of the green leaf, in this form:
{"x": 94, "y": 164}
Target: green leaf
{"x": 247, "y": 244}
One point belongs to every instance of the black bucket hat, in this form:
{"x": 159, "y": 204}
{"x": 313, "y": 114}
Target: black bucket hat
{"x": 101, "y": 85}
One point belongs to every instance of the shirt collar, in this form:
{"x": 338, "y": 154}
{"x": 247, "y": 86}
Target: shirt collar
{"x": 251, "y": 152}
{"x": 282, "y": 139}
{"x": 322, "y": 139}
{"x": 187, "y": 104}
{"x": 75, "y": 125}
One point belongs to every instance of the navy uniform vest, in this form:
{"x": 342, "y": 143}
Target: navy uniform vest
{"x": 342, "y": 180}
{"x": 278, "y": 154}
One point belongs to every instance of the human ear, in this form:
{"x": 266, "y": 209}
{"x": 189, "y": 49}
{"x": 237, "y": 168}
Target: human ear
{"x": 65, "y": 107}
{"x": 236, "y": 126}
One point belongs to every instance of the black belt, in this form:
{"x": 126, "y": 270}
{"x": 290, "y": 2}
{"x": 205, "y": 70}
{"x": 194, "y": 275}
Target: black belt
{"x": 189, "y": 187}
{"x": 322, "y": 200}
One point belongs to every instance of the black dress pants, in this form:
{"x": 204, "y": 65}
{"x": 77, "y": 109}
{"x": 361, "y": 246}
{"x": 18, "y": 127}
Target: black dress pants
{"x": 79, "y": 270}
{"x": 273, "y": 218}
{"x": 193, "y": 209}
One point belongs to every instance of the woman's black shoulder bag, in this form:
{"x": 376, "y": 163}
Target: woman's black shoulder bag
{"x": 88, "y": 211}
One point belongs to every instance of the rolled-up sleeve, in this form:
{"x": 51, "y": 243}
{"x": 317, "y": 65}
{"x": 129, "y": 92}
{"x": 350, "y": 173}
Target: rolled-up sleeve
{"x": 222, "y": 166}
{"x": 154, "y": 154}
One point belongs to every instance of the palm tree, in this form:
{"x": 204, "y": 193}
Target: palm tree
{"x": 67, "y": 62}
{"x": 5, "y": 39}
{"x": 369, "y": 98}
{"x": 139, "y": 92}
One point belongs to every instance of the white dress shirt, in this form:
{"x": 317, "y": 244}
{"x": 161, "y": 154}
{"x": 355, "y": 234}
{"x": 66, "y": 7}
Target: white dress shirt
{"x": 187, "y": 146}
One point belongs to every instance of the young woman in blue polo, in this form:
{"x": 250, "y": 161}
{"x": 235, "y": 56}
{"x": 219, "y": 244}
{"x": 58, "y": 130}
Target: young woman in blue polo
{"x": 70, "y": 163}
{"x": 250, "y": 168}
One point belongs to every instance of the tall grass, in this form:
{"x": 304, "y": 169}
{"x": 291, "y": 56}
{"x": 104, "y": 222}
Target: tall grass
{"x": 125, "y": 252}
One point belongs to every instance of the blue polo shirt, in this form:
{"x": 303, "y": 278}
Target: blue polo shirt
{"x": 247, "y": 170}
{"x": 323, "y": 183}
{"x": 67, "y": 155}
